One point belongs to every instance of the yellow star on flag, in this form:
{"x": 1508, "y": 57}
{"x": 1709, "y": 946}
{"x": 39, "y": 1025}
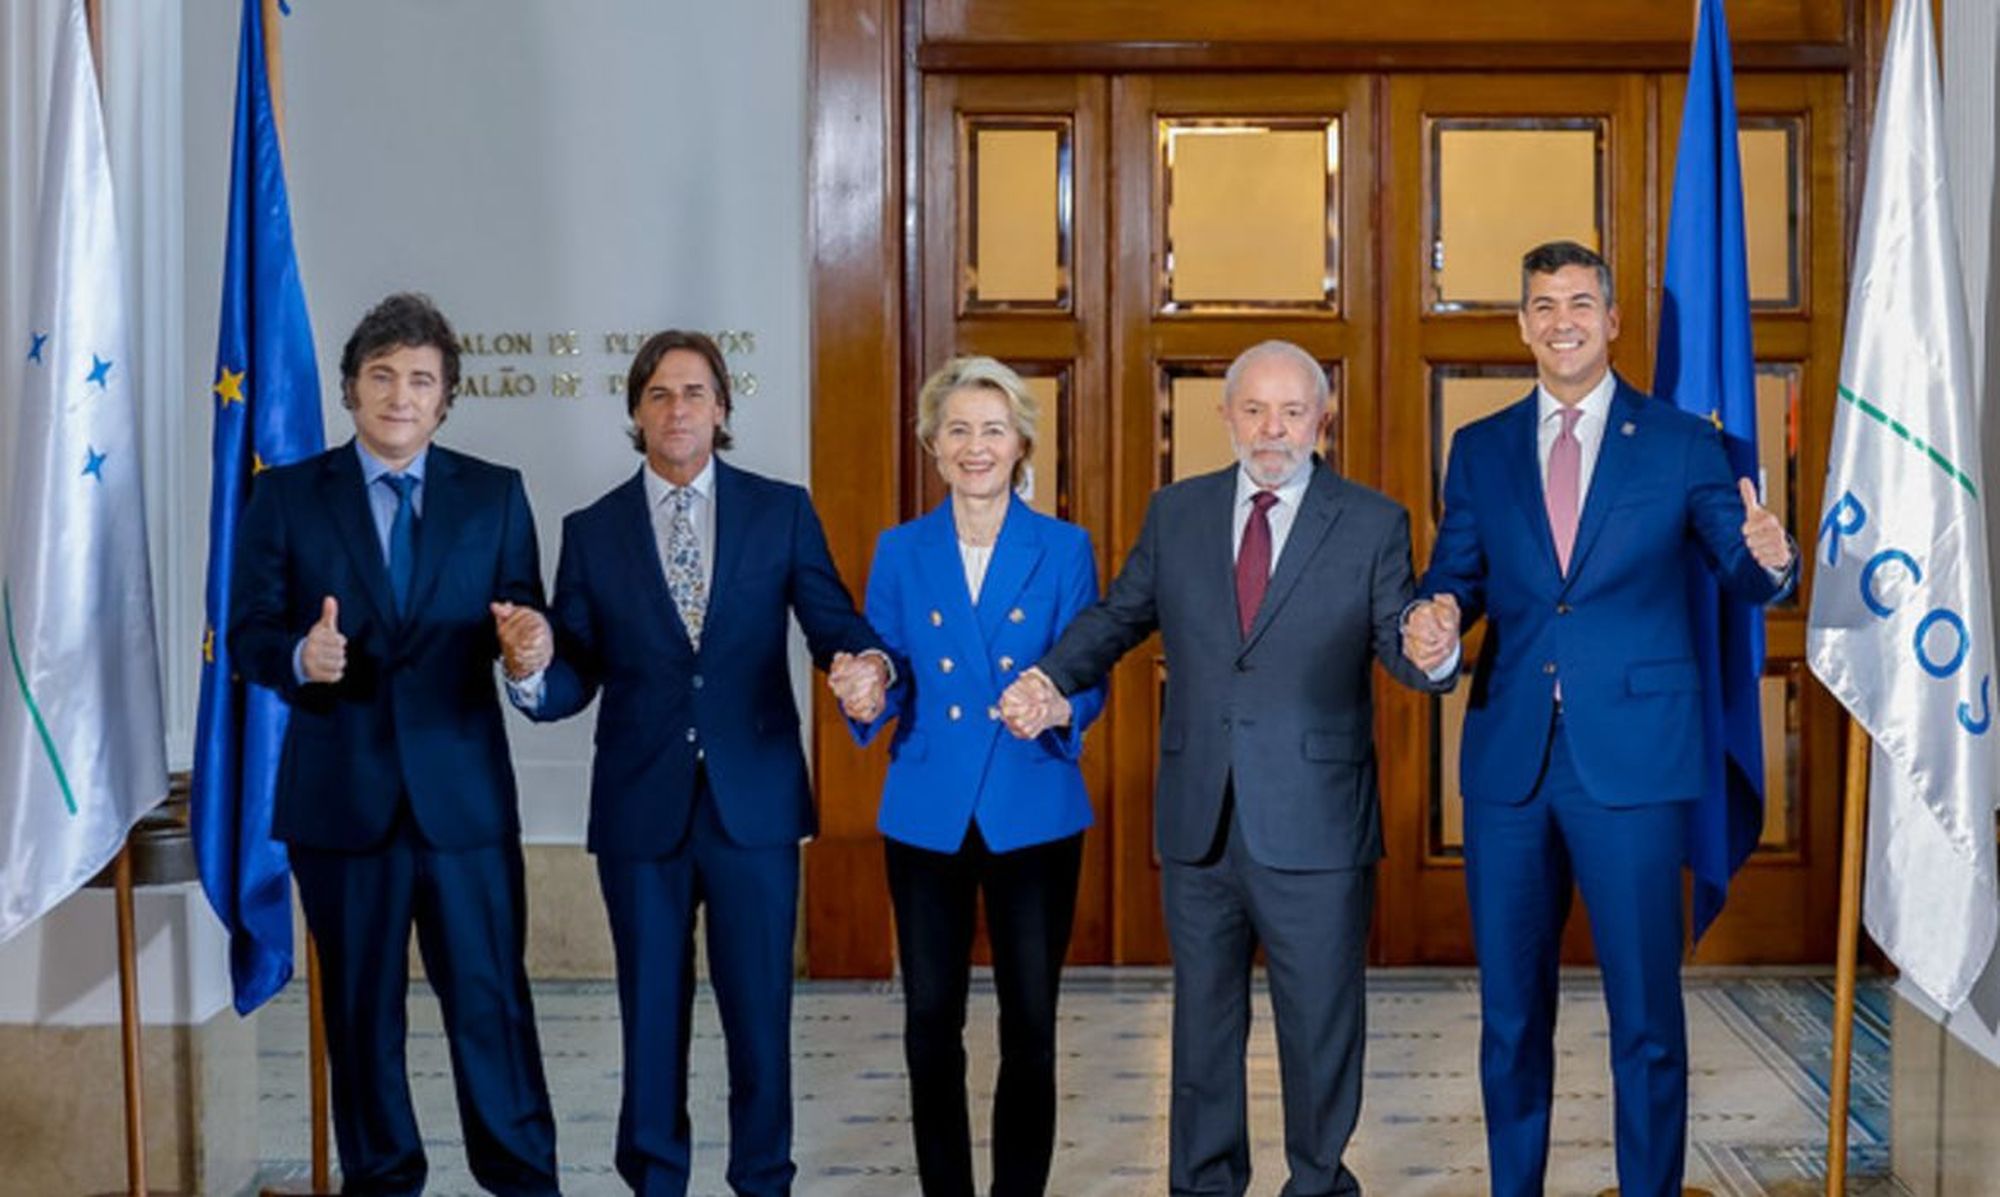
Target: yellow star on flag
{"x": 230, "y": 389}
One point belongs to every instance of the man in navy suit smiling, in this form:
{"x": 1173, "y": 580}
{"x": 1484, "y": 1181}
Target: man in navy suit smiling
{"x": 363, "y": 584}
{"x": 1570, "y": 520}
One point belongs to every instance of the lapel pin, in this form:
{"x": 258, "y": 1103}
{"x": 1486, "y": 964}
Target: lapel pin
{"x": 1627, "y": 428}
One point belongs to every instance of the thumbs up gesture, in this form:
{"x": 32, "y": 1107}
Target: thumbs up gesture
{"x": 324, "y": 657}
{"x": 1763, "y": 535}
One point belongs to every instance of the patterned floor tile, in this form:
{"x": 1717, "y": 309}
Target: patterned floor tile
{"x": 1760, "y": 1051}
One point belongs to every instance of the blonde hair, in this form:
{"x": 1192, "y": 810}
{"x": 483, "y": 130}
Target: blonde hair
{"x": 965, "y": 373}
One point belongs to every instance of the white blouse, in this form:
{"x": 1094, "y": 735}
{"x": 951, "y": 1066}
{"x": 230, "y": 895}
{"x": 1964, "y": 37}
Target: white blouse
{"x": 975, "y": 558}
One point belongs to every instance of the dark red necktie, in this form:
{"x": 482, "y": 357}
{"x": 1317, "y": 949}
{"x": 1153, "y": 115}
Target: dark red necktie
{"x": 1253, "y": 560}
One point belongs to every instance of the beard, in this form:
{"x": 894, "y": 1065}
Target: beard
{"x": 1280, "y": 460}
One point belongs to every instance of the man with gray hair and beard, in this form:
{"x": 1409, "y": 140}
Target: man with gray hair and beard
{"x": 1275, "y": 584}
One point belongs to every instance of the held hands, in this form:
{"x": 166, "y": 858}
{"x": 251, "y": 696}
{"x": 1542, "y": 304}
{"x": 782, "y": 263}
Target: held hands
{"x": 324, "y": 657}
{"x": 1430, "y": 634}
{"x": 860, "y": 683}
{"x": 1032, "y": 705}
{"x": 526, "y": 643}
{"x": 1763, "y": 535}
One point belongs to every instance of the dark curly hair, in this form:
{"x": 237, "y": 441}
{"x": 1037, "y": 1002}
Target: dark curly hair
{"x": 404, "y": 320}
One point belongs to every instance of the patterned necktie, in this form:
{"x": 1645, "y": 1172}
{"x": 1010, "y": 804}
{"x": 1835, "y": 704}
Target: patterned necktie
{"x": 1253, "y": 560}
{"x": 684, "y": 576}
{"x": 1565, "y": 472}
{"x": 402, "y": 539}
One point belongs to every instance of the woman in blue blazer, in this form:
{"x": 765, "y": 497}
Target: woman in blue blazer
{"x": 965, "y": 598}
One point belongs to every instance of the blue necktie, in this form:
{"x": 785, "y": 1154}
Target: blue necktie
{"x": 402, "y": 539}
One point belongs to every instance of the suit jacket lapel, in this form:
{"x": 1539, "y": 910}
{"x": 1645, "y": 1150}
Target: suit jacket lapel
{"x": 635, "y": 532}
{"x": 1215, "y": 532}
{"x": 1016, "y": 552}
{"x": 1531, "y": 500}
{"x": 944, "y": 580}
{"x": 732, "y": 529}
{"x": 1318, "y": 509}
{"x": 446, "y": 506}
{"x": 1615, "y": 455}
{"x": 346, "y": 496}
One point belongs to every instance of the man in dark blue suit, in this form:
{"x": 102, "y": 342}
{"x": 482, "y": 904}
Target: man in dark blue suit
{"x": 672, "y": 598}
{"x": 1570, "y": 521}
{"x": 363, "y": 584}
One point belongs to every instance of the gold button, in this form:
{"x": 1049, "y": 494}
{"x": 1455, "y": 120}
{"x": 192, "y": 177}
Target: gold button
{"x": 1015, "y": 616}
{"x": 954, "y": 712}
{"x": 1548, "y": 666}
{"x": 946, "y": 664}
{"x": 1006, "y": 663}
{"x": 937, "y": 619}
{"x": 992, "y": 712}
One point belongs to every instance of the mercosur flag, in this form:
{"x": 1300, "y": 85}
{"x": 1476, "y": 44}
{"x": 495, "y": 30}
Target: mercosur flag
{"x": 1901, "y": 631}
{"x": 82, "y": 750}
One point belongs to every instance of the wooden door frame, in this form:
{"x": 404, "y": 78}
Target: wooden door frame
{"x": 865, "y": 61}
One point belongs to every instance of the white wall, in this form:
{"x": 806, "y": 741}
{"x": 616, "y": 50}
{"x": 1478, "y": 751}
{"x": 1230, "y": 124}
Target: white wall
{"x": 616, "y": 166}
{"x": 537, "y": 167}
{"x": 1970, "y": 53}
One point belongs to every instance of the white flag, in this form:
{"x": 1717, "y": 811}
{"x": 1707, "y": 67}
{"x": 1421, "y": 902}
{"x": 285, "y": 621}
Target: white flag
{"x": 1901, "y": 631}
{"x": 82, "y": 747}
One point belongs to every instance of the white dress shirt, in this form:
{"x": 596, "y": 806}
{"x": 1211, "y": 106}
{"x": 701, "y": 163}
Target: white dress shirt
{"x": 1291, "y": 492}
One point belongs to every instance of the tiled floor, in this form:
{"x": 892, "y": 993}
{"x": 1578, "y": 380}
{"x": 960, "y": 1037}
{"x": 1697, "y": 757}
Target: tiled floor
{"x": 1759, "y": 1044}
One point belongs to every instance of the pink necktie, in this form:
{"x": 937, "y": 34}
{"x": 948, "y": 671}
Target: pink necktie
{"x": 1565, "y": 469}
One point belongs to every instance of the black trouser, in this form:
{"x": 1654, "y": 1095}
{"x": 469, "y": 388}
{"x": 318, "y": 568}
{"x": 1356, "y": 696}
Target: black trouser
{"x": 1030, "y": 901}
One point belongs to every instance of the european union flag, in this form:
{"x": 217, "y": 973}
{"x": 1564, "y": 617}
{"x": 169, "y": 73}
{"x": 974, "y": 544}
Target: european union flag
{"x": 1705, "y": 366}
{"x": 266, "y": 413}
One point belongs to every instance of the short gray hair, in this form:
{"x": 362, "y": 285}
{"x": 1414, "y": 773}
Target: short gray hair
{"x": 1306, "y": 362}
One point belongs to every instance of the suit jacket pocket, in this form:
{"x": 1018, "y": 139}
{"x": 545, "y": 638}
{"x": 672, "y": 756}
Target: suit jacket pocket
{"x": 1663, "y": 677}
{"x": 1335, "y": 746}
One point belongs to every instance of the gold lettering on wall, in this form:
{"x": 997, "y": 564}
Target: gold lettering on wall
{"x": 522, "y": 381}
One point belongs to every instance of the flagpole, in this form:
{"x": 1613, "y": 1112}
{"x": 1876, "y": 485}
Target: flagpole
{"x": 274, "y": 64}
{"x": 130, "y": 1053}
{"x": 128, "y": 1026}
{"x": 129, "y": 1015}
{"x": 316, "y": 1051}
{"x": 1853, "y": 836}
{"x": 316, "y": 1060}
{"x": 93, "y": 20}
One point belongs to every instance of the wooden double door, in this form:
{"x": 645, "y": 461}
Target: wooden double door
{"x": 1119, "y": 238}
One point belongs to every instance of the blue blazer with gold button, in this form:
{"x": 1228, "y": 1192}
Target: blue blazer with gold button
{"x": 952, "y": 760}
